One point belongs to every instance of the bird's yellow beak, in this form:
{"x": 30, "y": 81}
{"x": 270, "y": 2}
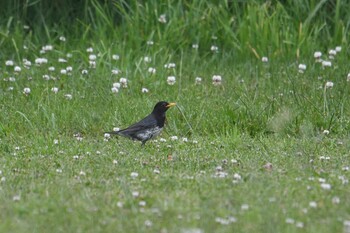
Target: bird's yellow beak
{"x": 171, "y": 105}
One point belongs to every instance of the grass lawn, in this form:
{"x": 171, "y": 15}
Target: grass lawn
{"x": 219, "y": 184}
{"x": 258, "y": 141}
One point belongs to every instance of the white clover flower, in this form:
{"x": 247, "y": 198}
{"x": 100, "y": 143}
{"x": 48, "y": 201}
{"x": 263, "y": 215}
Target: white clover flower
{"x": 343, "y": 179}
{"x": 290, "y": 221}
{"x": 329, "y": 84}
{"x": 195, "y": 46}
{"x": 26, "y": 90}
{"x": 348, "y": 77}
{"x": 123, "y": 82}
{"x": 321, "y": 180}
{"x": 150, "y": 42}
{"x": 63, "y": 71}
{"x": 84, "y": 72}
{"x": 162, "y": 18}
{"x": 62, "y": 38}
{"x": 218, "y": 168}
{"x": 151, "y": 70}
{"x": 326, "y": 186}
{"x": 171, "y": 80}
{"x": 12, "y": 79}
{"x": 234, "y": 161}
{"x": 338, "y": 49}
{"x": 265, "y": 59}
{"x": 216, "y": 80}
{"x": 326, "y": 132}
{"x": 116, "y": 85}
{"x": 244, "y": 207}
{"x": 326, "y": 63}
{"x": 51, "y": 68}
{"x": 147, "y": 59}
{"x": 120, "y": 204}
{"x": 116, "y": 129}
{"x": 142, "y": 203}
{"x": 89, "y": 50}
{"x": 346, "y": 225}
{"x": 148, "y": 223}
{"x": 16, "y": 198}
{"x": 10, "y": 88}
{"x": 134, "y": 174}
{"x": 335, "y": 200}
{"x": 299, "y": 224}
{"x": 92, "y": 57}
{"x": 185, "y": 139}
{"x": 46, "y": 77}
{"x": 313, "y": 204}
{"x": 9, "y": 63}
{"x": 237, "y": 176}
{"x": 47, "y": 48}
{"x": 302, "y": 68}
{"x": 198, "y": 80}
{"x": 54, "y": 90}
{"x": 26, "y": 63}
{"x": 135, "y": 193}
{"x": 232, "y": 219}
{"x": 69, "y": 69}
{"x": 114, "y": 90}
{"x": 214, "y": 48}
{"x": 115, "y": 71}
{"x": 221, "y": 174}
{"x": 170, "y": 65}
{"x": 332, "y": 52}
{"x": 162, "y": 139}
{"x": 62, "y": 60}
{"x": 156, "y": 171}
{"x": 317, "y": 55}
{"x": 40, "y": 61}
{"x": 144, "y": 90}
{"x": 222, "y": 221}
{"x": 17, "y": 69}
{"x": 69, "y": 55}
{"x": 68, "y": 96}
{"x": 92, "y": 64}
{"x": 174, "y": 138}
{"x": 115, "y": 161}
{"x": 115, "y": 57}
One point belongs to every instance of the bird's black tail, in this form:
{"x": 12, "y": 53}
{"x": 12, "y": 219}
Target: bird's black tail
{"x": 113, "y": 132}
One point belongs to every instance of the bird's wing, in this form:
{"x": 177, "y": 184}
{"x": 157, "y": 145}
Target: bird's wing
{"x": 147, "y": 122}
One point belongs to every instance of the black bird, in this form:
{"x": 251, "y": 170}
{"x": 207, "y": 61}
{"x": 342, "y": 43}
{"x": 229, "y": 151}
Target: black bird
{"x": 149, "y": 127}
